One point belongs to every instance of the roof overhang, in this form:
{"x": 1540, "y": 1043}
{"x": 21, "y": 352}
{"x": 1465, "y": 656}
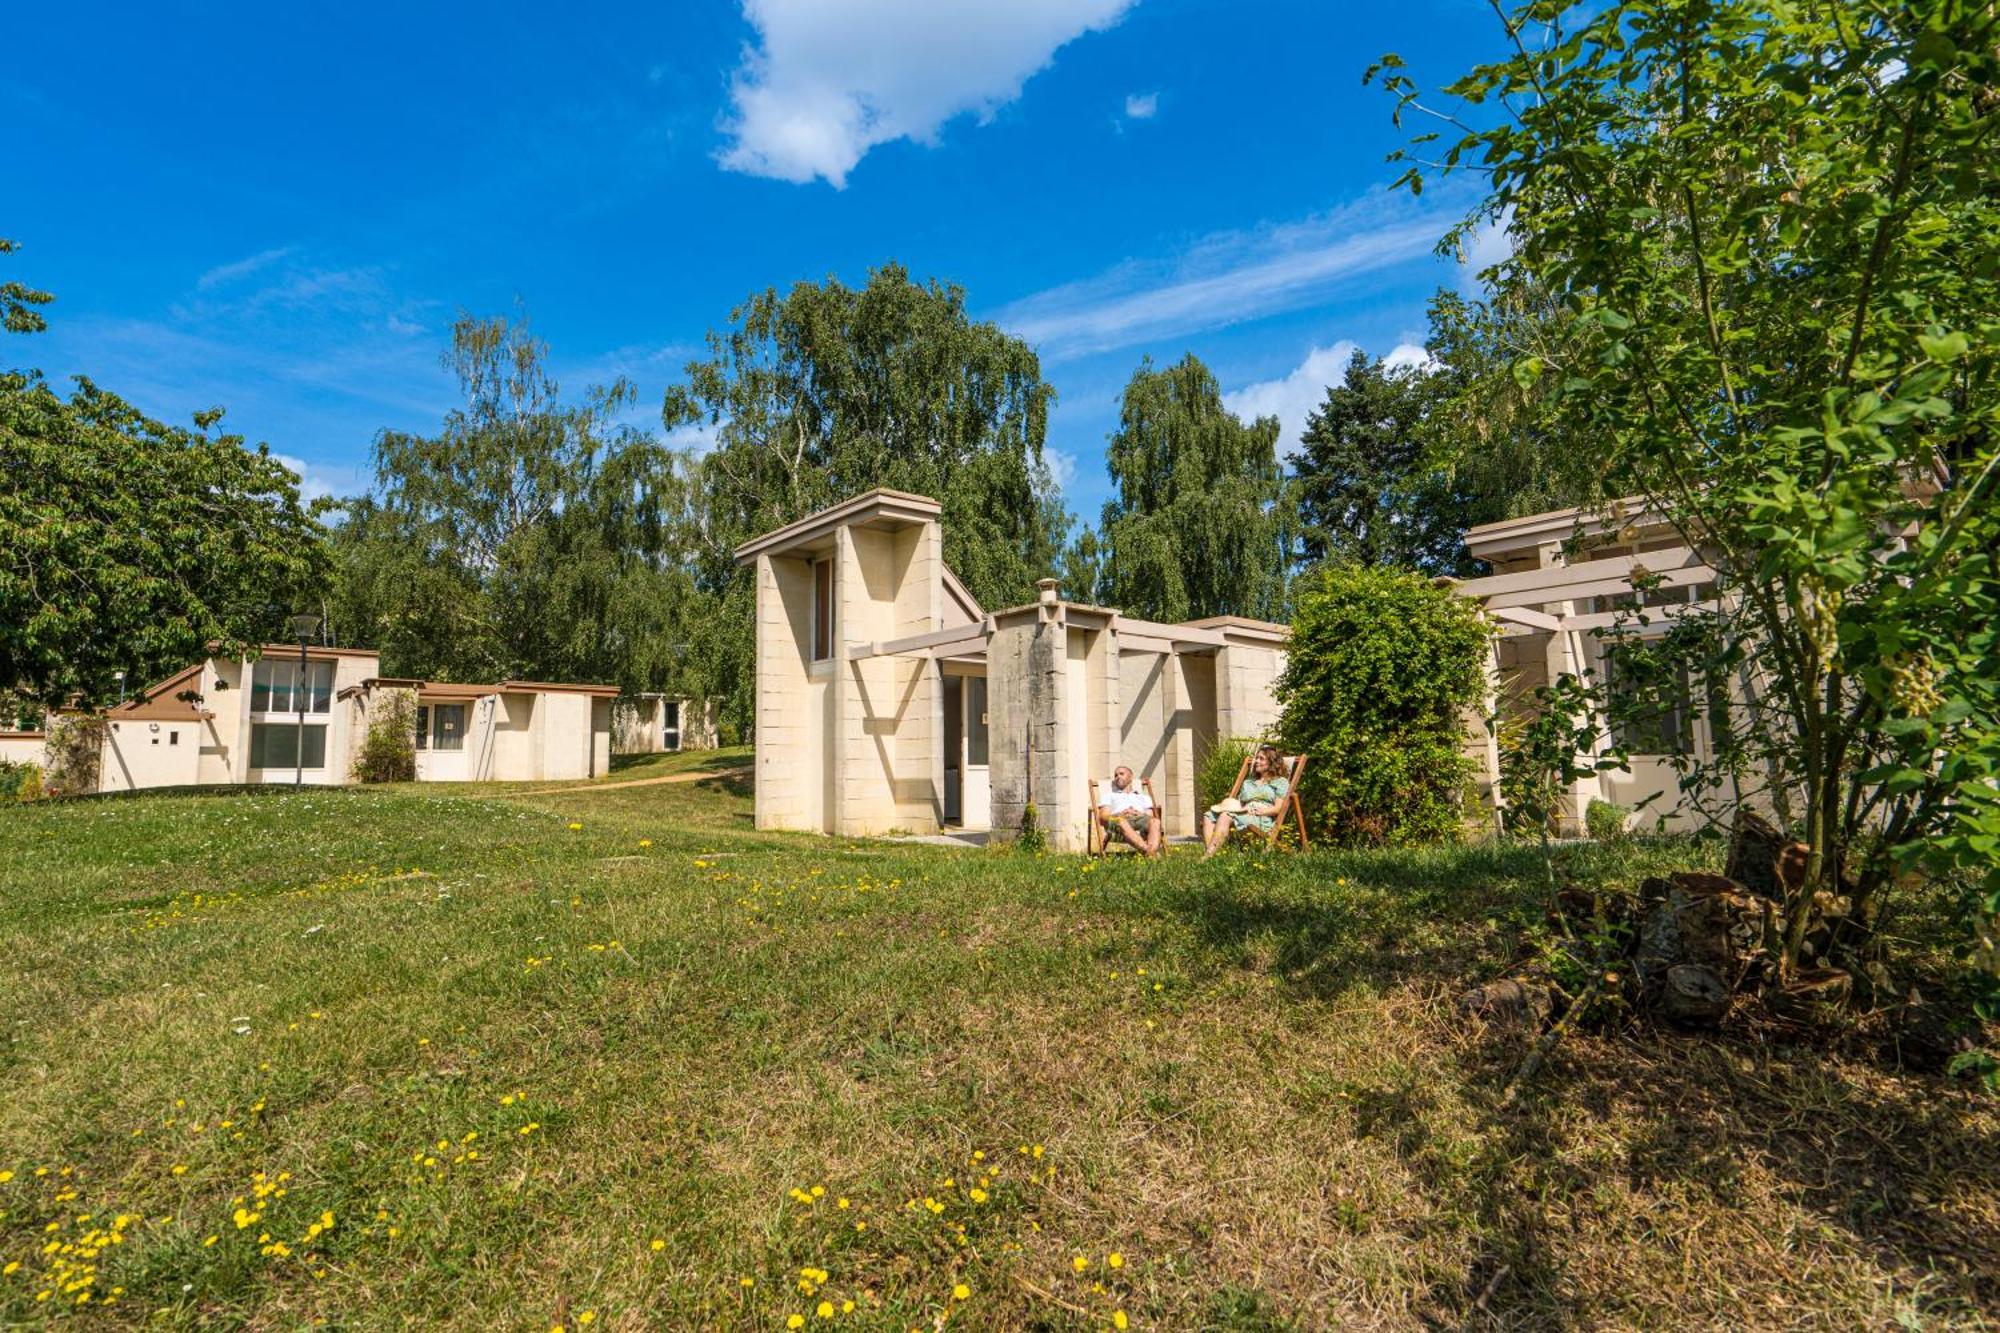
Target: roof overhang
{"x": 877, "y": 508}
{"x": 1556, "y": 526}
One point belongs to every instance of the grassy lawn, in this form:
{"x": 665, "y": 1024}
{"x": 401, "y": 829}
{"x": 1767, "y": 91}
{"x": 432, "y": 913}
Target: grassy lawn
{"x": 608, "y": 1058}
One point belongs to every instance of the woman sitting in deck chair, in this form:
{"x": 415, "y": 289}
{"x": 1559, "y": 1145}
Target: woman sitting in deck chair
{"x": 1258, "y": 798}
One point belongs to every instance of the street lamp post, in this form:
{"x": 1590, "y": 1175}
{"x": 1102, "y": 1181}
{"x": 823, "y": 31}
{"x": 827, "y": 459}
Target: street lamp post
{"x": 304, "y": 626}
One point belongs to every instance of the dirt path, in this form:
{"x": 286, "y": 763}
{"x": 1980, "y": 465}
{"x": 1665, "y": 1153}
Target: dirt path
{"x": 573, "y": 788}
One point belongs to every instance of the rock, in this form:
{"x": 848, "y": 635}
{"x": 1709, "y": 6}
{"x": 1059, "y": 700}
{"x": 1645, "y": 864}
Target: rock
{"x": 1813, "y": 996}
{"x": 1694, "y": 994}
{"x": 1509, "y": 1004}
{"x": 1754, "y": 846}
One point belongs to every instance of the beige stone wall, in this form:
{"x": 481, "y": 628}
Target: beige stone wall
{"x": 1025, "y": 670}
{"x": 139, "y": 754}
{"x": 887, "y": 733}
{"x": 1246, "y": 701}
{"x": 567, "y": 742}
{"x": 792, "y": 773}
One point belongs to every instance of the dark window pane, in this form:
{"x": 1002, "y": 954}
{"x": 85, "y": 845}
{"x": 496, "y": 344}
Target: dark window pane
{"x": 449, "y": 730}
{"x": 975, "y": 721}
{"x": 822, "y": 610}
{"x": 423, "y": 727}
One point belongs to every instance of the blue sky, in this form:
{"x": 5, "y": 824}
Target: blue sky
{"x": 280, "y": 209}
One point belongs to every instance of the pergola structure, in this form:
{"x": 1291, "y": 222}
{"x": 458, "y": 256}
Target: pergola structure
{"x": 1560, "y": 579}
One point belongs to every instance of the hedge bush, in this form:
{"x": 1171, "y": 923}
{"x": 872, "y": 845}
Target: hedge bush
{"x": 1216, "y": 773}
{"x": 1383, "y": 670}
{"x": 389, "y": 748}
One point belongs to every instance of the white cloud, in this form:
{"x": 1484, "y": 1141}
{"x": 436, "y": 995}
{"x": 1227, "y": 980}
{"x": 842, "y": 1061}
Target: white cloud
{"x": 1141, "y": 106}
{"x": 1294, "y": 397}
{"x": 1490, "y": 244}
{"x": 1061, "y": 464}
{"x": 316, "y": 480}
{"x": 830, "y": 79}
{"x": 223, "y": 273}
{"x": 1409, "y": 356}
{"x": 1224, "y": 279}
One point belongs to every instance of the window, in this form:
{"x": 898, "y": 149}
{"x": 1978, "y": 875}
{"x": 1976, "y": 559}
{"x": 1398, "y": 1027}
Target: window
{"x": 276, "y": 745}
{"x": 448, "y": 727}
{"x": 440, "y": 726}
{"x": 1648, "y": 716}
{"x": 975, "y": 721}
{"x": 275, "y": 686}
{"x": 670, "y": 729}
{"x": 822, "y": 610}
{"x": 173, "y": 738}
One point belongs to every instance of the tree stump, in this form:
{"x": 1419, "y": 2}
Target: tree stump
{"x": 1695, "y": 921}
{"x": 1693, "y": 994}
{"x": 1509, "y": 1004}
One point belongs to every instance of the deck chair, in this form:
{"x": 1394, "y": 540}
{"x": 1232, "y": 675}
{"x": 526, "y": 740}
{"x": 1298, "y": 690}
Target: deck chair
{"x": 1100, "y": 841}
{"x": 1291, "y": 808}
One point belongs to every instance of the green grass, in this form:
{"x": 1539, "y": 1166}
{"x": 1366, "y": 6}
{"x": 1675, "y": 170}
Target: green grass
{"x": 1245, "y": 1078}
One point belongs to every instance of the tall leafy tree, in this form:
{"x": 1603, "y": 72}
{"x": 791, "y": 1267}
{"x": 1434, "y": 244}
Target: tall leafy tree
{"x": 1367, "y": 488}
{"x": 129, "y": 544}
{"x": 1200, "y": 523}
{"x": 1765, "y": 237}
{"x": 826, "y": 390}
{"x": 531, "y": 536}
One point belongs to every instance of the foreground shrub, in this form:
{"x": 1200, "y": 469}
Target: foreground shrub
{"x": 1605, "y": 820}
{"x": 1216, "y": 773}
{"x": 389, "y": 750}
{"x": 1383, "y": 671}
{"x": 20, "y": 782}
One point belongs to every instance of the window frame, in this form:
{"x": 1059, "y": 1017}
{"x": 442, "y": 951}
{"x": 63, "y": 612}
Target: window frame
{"x": 823, "y": 616}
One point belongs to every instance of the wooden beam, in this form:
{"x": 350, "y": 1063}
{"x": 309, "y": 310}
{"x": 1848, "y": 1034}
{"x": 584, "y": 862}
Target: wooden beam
{"x": 1559, "y": 581}
{"x": 1180, "y": 634}
{"x": 918, "y": 642}
{"x": 1521, "y": 615}
{"x": 1606, "y": 619}
{"x": 1610, "y": 586}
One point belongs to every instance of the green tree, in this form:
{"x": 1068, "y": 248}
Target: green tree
{"x": 18, "y": 301}
{"x": 825, "y": 391}
{"x": 128, "y": 544}
{"x": 1765, "y": 233}
{"x": 530, "y": 537}
{"x": 1368, "y": 491}
{"x": 1200, "y": 524}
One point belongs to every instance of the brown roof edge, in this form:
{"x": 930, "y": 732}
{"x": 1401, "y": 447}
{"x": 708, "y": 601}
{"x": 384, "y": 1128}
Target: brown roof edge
{"x": 558, "y": 687}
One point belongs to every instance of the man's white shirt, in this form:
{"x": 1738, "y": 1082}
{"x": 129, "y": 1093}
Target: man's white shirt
{"x": 1132, "y": 801}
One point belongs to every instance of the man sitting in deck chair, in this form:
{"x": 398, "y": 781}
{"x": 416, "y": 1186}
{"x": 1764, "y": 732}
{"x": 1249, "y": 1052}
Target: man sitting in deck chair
{"x": 1259, "y": 795}
{"x": 1127, "y": 808}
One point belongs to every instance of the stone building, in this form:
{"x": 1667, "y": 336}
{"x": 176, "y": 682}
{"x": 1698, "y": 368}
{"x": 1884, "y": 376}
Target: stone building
{"x": 889, "y": 701}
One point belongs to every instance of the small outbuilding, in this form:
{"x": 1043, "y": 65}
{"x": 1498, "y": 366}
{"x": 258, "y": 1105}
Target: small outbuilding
{"x": 889, "y": 701}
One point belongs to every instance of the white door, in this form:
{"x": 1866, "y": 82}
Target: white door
{"x": 441, "y": 743}
{"x": 976, "y": 787}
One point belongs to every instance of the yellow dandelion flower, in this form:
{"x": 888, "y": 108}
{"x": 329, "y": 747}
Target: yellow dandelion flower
{"x": 658, "y": 1245}
{"x": 1118, "y": 1319}
{"x": 1114, "y": 1260}
{"x": 961, "y": 1292}
{"x": 574, "y": 826}
{"x": 747, "y": 1281}
{"x": 825, "y": 1310}
{"x": 796, "y": 1321}
{"x": 586, "y": 1317}
{"x": 1080, "y": 1264}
